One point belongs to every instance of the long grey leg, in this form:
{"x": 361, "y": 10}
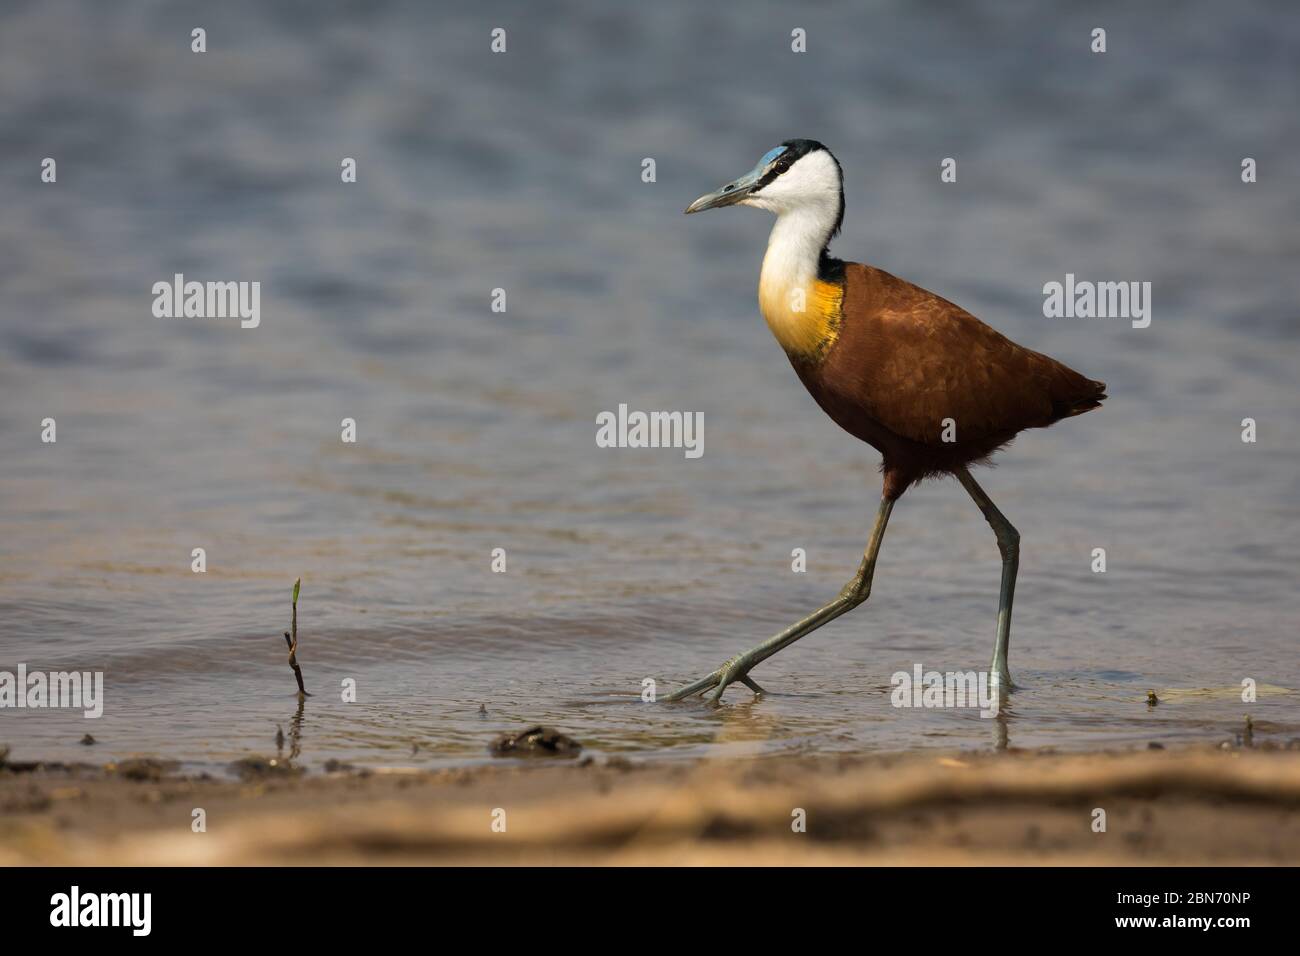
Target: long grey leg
{"x": 853, "y": 594}
{"x": 1009, "y": 546}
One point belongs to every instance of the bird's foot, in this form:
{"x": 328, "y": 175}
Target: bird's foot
{"x": 733, "y": 671}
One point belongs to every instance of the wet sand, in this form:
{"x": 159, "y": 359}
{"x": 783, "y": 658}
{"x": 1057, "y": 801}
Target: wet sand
{"x": 1197, "y": 806}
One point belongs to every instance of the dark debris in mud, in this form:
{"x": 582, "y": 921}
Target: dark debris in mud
{"x": 536, "y": 741}
{"x": 259, "y": 768}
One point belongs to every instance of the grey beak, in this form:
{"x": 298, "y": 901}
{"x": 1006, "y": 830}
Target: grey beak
{"x": 729, "y": 194}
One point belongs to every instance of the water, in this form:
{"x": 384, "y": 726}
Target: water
{"x": 477, "y": 428}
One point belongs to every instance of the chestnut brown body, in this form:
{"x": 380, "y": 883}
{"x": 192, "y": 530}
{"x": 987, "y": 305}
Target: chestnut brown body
{"x": 904, "y": 361}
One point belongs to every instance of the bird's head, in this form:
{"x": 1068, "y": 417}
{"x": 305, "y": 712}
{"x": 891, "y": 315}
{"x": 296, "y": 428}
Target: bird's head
{"x": 799, "y": 175}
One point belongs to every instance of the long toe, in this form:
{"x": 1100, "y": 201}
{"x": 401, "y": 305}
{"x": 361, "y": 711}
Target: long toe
{"x": 700, "y": 685}
{"x": 752, "y": 684}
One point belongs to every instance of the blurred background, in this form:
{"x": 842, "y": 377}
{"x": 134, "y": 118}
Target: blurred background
{"x": 476, "y": 430}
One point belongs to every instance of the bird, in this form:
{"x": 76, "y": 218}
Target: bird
{"x": 932, "y": 388}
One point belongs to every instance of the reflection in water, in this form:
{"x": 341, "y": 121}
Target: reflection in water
{"x": 1001, "y": 731}
{"x": 295, "y": 731}
{"x": 476, "y": 429}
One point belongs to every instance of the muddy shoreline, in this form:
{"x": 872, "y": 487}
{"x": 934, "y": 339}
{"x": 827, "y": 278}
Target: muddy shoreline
{"x": 1194, "y": 806}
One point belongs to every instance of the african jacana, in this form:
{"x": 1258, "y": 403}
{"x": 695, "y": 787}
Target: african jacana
{"x": 924, "y": 382}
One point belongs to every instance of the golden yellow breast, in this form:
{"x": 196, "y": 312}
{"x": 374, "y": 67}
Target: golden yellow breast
{"x": 804, "y": 317}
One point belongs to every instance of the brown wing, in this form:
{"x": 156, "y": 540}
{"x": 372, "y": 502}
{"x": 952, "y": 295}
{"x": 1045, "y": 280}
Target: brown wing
{"x": 911, "y": 359}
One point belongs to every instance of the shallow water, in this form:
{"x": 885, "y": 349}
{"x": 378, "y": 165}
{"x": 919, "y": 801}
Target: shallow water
{"x": 476, "y": 429}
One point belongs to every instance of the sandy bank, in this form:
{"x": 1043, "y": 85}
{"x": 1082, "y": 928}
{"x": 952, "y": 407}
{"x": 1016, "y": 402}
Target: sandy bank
{"x": 1162, "y": 807}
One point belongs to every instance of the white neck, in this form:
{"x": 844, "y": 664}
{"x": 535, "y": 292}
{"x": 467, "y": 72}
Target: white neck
{"x": 795, "y": 246}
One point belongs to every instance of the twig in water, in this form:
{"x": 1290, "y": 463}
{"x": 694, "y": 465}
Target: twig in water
{"x": 293, "y": 643}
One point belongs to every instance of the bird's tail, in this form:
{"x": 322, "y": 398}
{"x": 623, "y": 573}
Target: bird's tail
{"x": 1083, "y": 397}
